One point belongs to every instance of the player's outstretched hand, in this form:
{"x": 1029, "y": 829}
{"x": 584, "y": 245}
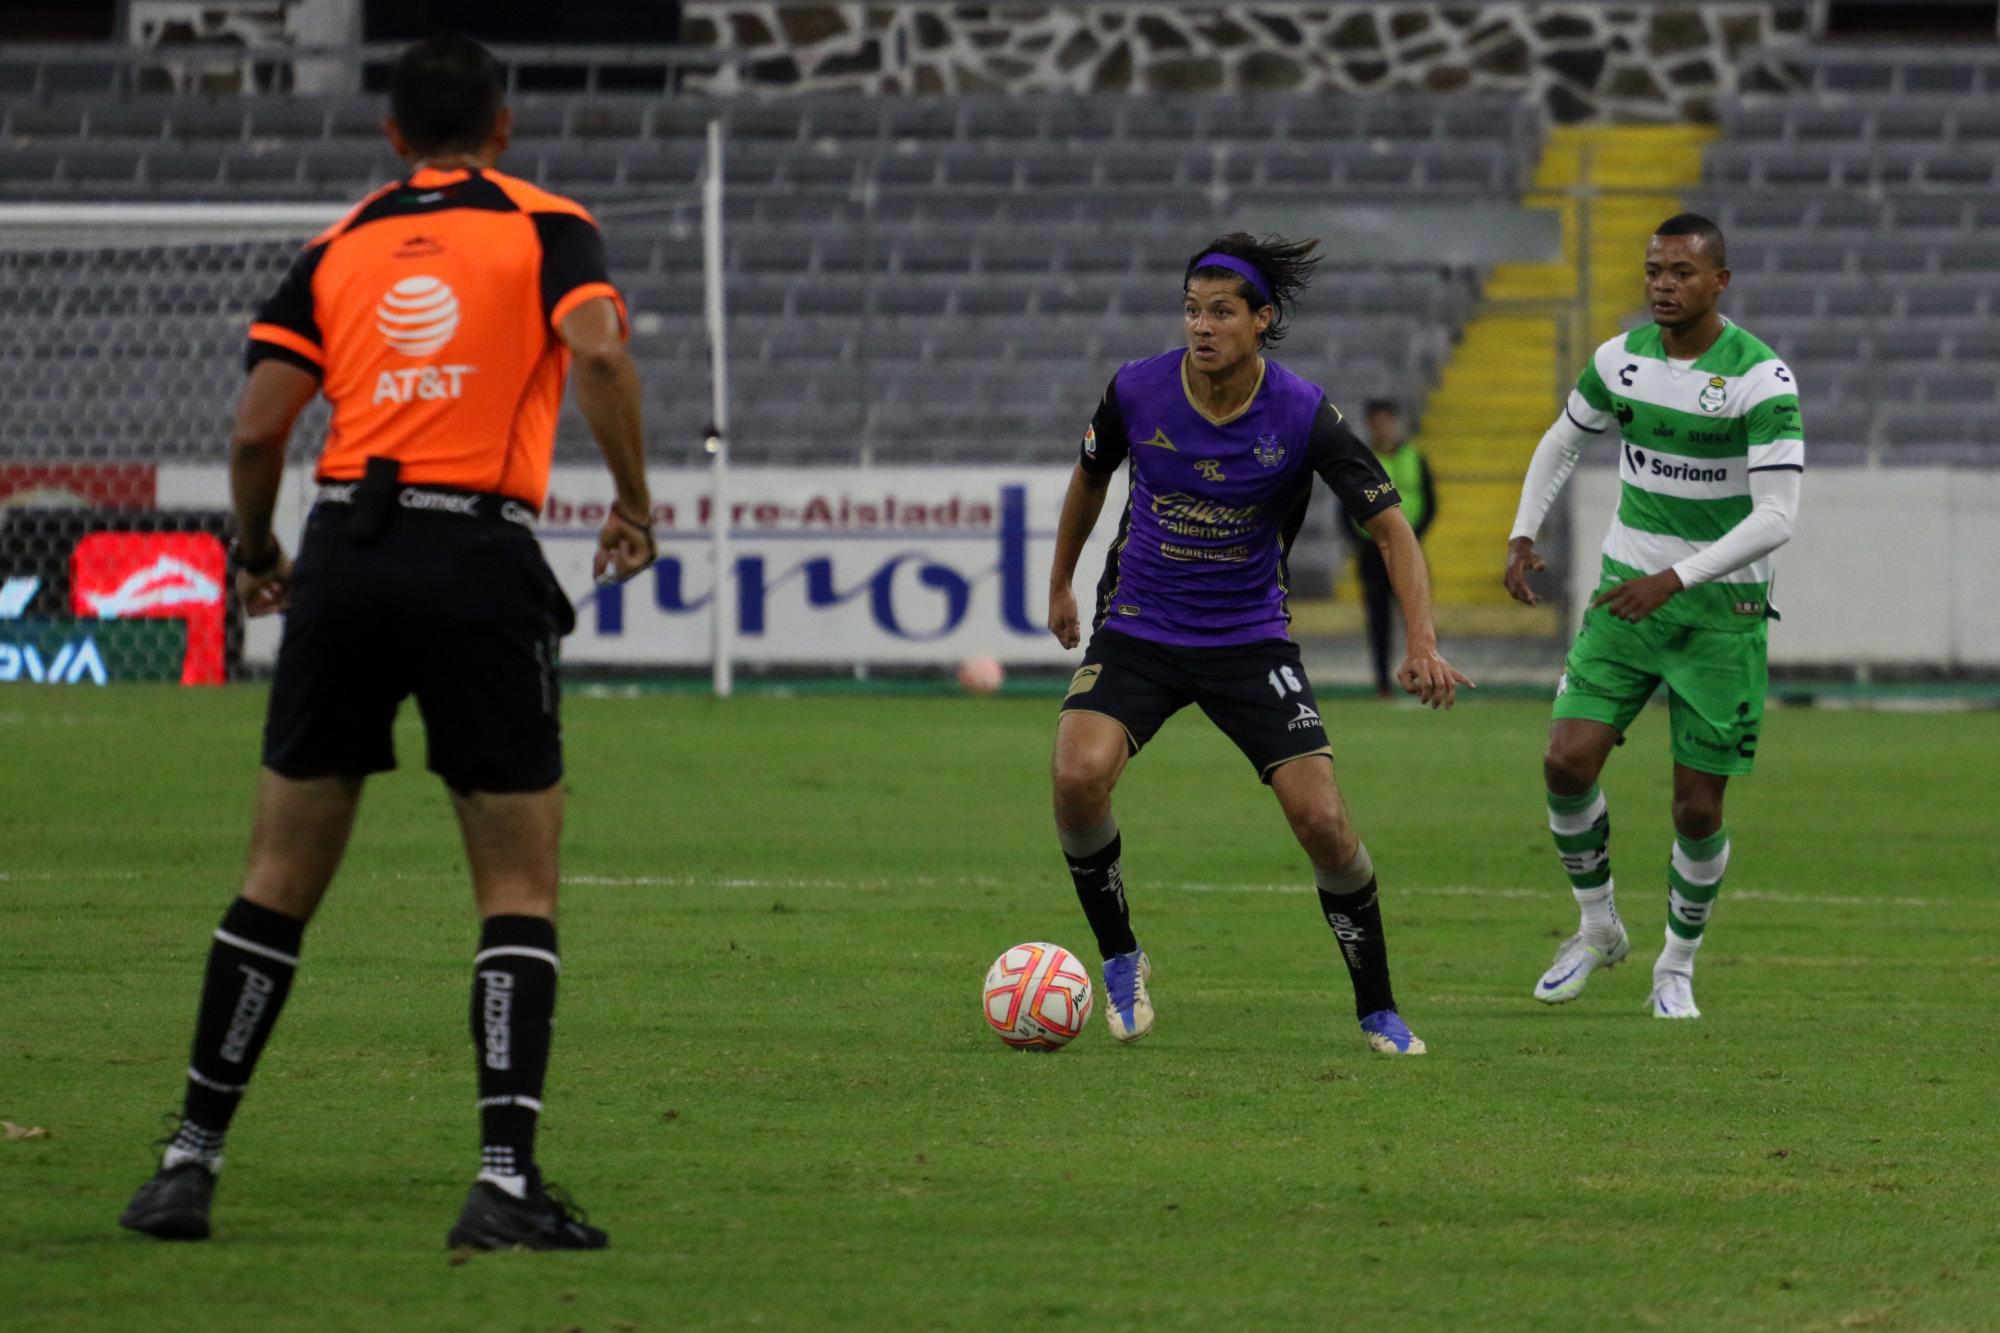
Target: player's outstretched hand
{"x": 1521, "y": 562}
{"x": 1635, "y": 599}
{"x": 1432, "y": 679}
{"x": 1062, "y": 617}
{"x": 267, "y": 593}
{"x": 624, "y": 547}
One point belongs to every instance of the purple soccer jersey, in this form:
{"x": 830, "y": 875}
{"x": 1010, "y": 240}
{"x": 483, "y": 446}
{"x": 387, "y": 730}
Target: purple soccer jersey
{"x": 1199, "y": 560}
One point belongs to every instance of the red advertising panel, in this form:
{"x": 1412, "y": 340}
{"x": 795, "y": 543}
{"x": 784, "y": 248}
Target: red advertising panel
{"x": 158, "y": 575}
{"x": 91, "y": 485}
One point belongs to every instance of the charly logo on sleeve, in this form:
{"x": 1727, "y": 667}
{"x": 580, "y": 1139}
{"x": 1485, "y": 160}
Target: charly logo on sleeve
{"x": 417, "y": 318}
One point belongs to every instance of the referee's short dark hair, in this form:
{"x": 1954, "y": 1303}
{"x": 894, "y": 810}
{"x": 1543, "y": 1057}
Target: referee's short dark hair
{"x": 1702, "y": 230}
{"x": 1374, "y": 405}
{"x": 445, "y": 93}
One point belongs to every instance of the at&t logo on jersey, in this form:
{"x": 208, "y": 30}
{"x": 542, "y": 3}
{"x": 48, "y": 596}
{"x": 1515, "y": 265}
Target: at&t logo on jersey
{"x": 421, "y": 383}
{"x": 418, "y": 317}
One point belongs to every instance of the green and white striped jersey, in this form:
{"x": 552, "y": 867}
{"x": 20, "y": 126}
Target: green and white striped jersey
{"x": 1691, "y": 433}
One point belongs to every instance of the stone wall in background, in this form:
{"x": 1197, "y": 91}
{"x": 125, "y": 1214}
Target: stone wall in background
{"x": 1581, "y": 61}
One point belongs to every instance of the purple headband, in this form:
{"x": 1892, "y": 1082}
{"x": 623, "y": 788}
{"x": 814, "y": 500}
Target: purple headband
{"x": 1247, "y": 272}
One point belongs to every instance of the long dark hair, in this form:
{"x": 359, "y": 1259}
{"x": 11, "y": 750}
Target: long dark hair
{"x": 1286, "y": 267}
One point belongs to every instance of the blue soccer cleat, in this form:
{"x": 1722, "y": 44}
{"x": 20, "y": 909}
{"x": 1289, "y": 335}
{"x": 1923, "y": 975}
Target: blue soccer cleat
{"x": 1388, "y": 1033}
{"x": 1128, "y": 1010}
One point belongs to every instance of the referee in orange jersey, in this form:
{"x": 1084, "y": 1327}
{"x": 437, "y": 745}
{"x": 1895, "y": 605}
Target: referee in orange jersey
{"x": 440, "y": 317}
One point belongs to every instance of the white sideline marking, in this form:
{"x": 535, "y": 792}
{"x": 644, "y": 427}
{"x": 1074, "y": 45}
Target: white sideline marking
{"x": 1192, "y": 886}
{"x": 802, "y": 883}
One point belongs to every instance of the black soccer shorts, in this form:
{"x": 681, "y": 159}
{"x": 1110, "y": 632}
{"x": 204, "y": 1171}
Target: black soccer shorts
{"x": 1256, "y": 693}
{"x": 462, "y": 613}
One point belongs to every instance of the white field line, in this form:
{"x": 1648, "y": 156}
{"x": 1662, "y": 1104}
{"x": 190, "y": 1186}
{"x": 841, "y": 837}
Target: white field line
{"x": 803, "y": 884}
{"x": 1190, "y": 886}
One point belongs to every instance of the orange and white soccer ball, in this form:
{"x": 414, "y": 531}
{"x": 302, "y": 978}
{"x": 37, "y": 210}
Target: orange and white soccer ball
{"x": 981, "y": 675}
{"x": 1037, "y": 996}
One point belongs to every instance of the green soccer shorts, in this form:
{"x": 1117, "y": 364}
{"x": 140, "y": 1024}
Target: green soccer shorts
{"x": 1715, "y": 682}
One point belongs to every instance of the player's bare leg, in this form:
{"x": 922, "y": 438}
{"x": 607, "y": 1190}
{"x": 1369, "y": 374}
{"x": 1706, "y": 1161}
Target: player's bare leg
{"x": 1091, "y": 752}
{"x": 296, "y": 842}
{"x": 1580, "y": 819}
{"x": 1310, "y": 797}
{"x": 511, "y": 844}
{"x": 1694, "y": 877}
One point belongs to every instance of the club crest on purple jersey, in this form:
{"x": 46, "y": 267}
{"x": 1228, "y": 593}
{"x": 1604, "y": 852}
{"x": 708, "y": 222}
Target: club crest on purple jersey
{"x": 1270, "y": 450}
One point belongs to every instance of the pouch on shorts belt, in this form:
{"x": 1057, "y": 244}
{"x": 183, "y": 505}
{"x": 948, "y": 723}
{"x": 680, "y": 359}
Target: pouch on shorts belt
{"x": 374, "y": 501}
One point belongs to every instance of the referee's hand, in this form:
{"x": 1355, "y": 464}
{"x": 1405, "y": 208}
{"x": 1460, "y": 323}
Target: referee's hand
{"x": 624, "y": 547}
{"x": 266, "y": 593}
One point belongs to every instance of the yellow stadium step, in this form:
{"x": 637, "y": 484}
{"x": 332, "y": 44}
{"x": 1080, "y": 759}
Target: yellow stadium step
{"x": 1503, "y": 384}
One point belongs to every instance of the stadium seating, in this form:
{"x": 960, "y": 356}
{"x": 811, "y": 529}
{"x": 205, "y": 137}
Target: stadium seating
{"x": 921, "y": 278}
{"x": 1864, "y": 231}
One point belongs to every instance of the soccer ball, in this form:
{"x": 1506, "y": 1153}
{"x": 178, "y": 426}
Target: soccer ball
{"x": 981, "y": 675}
{"x": 1037, "y": 997}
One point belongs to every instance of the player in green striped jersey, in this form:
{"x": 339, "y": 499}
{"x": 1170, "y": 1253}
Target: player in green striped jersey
{"x": 1706, "y": 419}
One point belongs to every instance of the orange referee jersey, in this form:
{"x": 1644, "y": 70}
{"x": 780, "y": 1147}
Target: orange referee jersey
{"x": 429, "y": 314}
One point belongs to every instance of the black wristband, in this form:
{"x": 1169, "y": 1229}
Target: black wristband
{"x": 629, "y": 521}
{"x": 259, "y": 567}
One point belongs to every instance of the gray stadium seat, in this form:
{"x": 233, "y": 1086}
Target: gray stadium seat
{"x": 182, "y": 169}
{"x": 43, "y": 120}
{"x": 776, "y": 120}
{"x": 208, "y": 118}
{"x": 287, "y": 118}
{"x": 919, "y": 119}
{"x": 1933, "y": 213}
{"x": 684, "y": 119}
{"x": 1030, "y": 244}
{"x": 30, "y": 164}
{"x": 1862, "y": 300}
{"x": 621, "y": 118}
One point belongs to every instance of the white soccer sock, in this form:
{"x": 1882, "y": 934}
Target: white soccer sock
{"x": 1678, "y": 955}
{"x": 1600, "y": 912}
{"x": 174, "y": 1157}
{"x": 193, "y": 1143}
{"x": 497, "y": 1167}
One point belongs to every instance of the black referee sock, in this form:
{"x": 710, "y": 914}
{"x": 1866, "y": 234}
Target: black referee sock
{"x": 513, "y": 1012}
{"x": 1100, "y": 883}
{"x": 1353, "y": 909}
{"x": 250, "y": 968}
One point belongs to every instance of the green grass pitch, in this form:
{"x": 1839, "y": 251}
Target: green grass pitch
{"x": 772, "y": 1084}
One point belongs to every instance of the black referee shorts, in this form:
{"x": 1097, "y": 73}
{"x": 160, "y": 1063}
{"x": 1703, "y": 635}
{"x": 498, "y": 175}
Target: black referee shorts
{"x": 1257, "y": 694}
{"x": 462, "y": 613}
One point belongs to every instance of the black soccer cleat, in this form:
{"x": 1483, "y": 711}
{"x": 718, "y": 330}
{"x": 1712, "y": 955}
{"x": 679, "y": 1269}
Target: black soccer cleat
{"x": 173, "y": 1205}
{"x": 548, "y": 1219}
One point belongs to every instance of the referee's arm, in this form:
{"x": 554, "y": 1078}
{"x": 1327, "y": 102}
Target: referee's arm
{"x": 273, "y": 396}
{"x": 607, "y": 389}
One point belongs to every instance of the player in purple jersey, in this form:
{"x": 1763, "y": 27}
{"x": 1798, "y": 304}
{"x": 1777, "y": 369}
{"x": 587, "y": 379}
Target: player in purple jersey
{"x": 1223, "y": 445}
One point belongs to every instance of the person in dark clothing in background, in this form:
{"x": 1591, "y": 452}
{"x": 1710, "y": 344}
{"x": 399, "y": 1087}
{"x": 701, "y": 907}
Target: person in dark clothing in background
{"x": 1412, "y": 476}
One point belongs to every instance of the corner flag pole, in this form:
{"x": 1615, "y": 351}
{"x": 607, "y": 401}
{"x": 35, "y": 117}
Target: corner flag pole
{"x": 722, "y": 602}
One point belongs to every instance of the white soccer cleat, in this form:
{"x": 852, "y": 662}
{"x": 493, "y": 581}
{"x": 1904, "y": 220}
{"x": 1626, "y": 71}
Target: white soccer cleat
{"x": 1673, "y": 995}
{"x": 1129, "y": 1011}
{"x": 1578, "y": 957}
